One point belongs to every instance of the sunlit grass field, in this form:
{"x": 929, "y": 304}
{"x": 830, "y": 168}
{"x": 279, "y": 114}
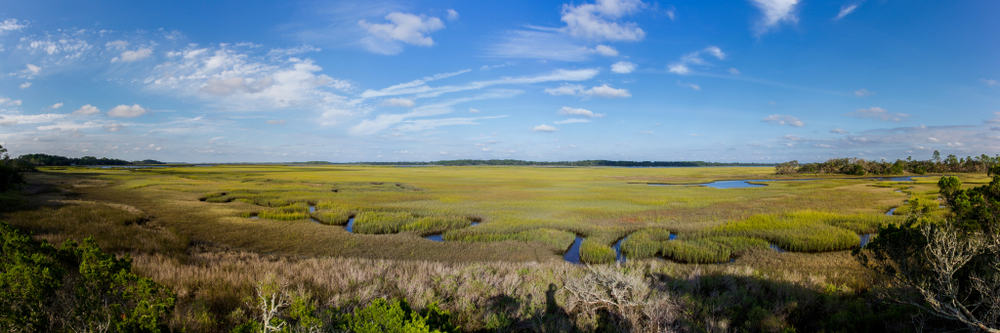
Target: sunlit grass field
{"x": 524, "y": 213}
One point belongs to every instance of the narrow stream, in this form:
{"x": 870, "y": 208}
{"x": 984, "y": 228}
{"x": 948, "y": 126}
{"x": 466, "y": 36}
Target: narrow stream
{"x": 440, "y": 236}
{"x": 573, "y": 254}
{"x": 865, "y": 239}
{"x": 776, "y": 248}
{"x": 350, "y": 225}
{"x": 619, "y": 256}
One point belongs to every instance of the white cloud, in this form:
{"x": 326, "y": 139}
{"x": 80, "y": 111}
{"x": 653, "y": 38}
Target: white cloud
{"x": 597, "y": 21}
{"x": 678, "y": 69}
{"x": 405, "y": 28}
{"x": 10, "y": 102}
{"x": 117, "y": 45}
{"x": 69, "y": 126}
{"x": 538, "y": 43}
{"x": 572, "y": 121}
{"x": 232, "y": 80}
{"x": 570, "y": 111}
{"x": 863, "y": 93}
{"x": 428, "y": 124}
{"x": 607, "y": 91}
{"x": 880, "y": 114}
{"x": 603, "y": 90}
{"x": 126, "y": 111}
{"x": 989, "y": 82}
{"x": 66, "y": 45}
{"x": 734, "y": 71}
{"x": 276, "y": 122}
{"x": 545, "y": 128}
{"x": 11, "y": 25}
{"x": 473, "y": 110}
{"x": 85, "y": 110}
{"x": 113, "y": 127}
{"x": 19, "y": 119}
{"x": 31, "y": 70}
{"x": 56, "y": 106}
{"x": 385, "y": 121}
{"x": 773, "y": 13}
{"x": 420, "y": 90}
{"x": 693, "y": 86}
{"x": 452, "y": 14}
{"x": 845, "y": 10}
{"x": 133, "y": 55}
{"x": 606, "y": 51}
{"x": 838, "y": 131}
{"x": 566, "y": 89}
{"x": 787, "y": 120}
{"x": 683, "y": 65}
{"x": 399, "y": 102}
{"x": 623, "y": 67}
{"x": 25, "y": 85}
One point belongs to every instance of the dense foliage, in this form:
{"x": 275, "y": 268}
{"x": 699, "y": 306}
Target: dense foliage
{"x": 950, "y": 268}
{"x": 56, "y": 160}
{"x": 76, "y": 287}
{"x": 860, "y": 167}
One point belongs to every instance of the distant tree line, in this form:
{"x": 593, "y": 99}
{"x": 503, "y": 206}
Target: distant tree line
{"x": 584, "y": 163}
{"x": 56, "y": 160}
{"x": 859, "y": 167}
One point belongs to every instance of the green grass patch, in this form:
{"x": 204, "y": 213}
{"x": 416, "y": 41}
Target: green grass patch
{"x": 296, "y": 211}
{"x": 595, "y": 252}
{"x": 556, "y": 240}
{"x": 800, "y": 232}
{"x": 701, "y": 251}
{"x": 370, "y": 222}
{"x": 645, "y": 243}
{"x": 436, "y": 224}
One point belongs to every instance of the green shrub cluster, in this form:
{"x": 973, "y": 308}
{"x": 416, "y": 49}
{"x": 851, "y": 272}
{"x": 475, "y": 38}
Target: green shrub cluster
{"x": 594, "y": 252}
{"x": 645, "y": 243}
{"x": 76, "y": 287}
{"x": 396, "y": 316}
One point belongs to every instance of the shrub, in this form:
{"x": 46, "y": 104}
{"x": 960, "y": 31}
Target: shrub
{"x": 396, "y": 316}
{"x": 74, "y": 288}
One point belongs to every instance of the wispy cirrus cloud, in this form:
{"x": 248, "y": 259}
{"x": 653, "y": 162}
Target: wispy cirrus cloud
{"x": 773, "y": 13}
{"x": 781, "y": 119}
{"x": 879, "y": 113}
{"x": 846, "y": 10}
{"x": 684, "y": 65}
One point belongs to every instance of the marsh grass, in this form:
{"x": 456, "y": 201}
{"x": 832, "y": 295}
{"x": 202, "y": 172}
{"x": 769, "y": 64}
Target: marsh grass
{"x": 436, "y": 224}
{"x": 295, "y": 211}
{"x": 800, "y": 231}
{"x": 596, "y": 252}
{"x": 381, "y": 222}
{"x": 645, "y": 243}
{"x": 556, "y": 240}
{"x": 702, "y": 251}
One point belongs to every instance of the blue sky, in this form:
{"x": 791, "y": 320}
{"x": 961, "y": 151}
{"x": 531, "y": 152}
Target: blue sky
{"x": 753, "y": 81}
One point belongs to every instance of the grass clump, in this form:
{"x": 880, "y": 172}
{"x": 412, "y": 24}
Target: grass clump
{"x": 296, "y": 211}
{"x": 701, "y": 251}
{"x": 593, "y": 252}
{"x": 801, "y": 232}
{"x": 556, "y": 240}
{"x": 436, "y": 224}
{"x": 645, "y": 243}
{"x": 740, "y": 245}
{"x": 381, "y": 222}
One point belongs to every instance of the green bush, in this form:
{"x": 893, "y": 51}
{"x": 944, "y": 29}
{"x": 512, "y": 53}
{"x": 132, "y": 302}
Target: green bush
{"x": 74, "y": 288}
{"x": 593, "y": 252}
{"x": 396, "y": 317}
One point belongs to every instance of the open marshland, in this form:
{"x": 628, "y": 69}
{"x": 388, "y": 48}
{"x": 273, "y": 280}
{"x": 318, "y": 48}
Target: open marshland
{"x": 473, "y": 234}
{"x": 503, "y": 213}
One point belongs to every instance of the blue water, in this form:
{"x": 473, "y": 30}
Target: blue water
{"x": 435, "y": 237}
{"x": 350, "y": 225}
{"x": 673, "y": 236}
{"x": 723, "y": 184}
{"x": 619, "y": 256}
{"x": 776, "y": 248}
{"x": 891, "y": 211}
{"x": 573, "y": 254}
{"x": 865, "y": 239}
{"x": 312, "y": 208}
